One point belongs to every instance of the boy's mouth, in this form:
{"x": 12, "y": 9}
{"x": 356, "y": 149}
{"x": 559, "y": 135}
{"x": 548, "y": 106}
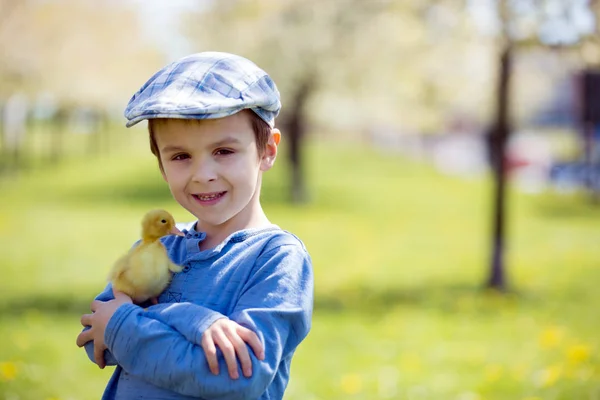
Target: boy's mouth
{"x": 208, "y": 196}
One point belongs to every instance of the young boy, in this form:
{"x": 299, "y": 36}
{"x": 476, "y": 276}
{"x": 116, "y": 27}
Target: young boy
{"x": 228, "y": 324}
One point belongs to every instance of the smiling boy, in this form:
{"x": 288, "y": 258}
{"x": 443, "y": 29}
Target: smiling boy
{"x": 243, "y": 302}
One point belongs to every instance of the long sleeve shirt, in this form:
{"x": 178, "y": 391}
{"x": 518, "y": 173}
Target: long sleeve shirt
{"x": 260, "y": 278}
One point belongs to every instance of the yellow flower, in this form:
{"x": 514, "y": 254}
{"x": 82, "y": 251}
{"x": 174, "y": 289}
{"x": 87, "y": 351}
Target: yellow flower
{"x": 8, "y": 371}
{"x": 578, "y": 354}
{"x": 351, "y": 383}
{"x": 551, "y": 337}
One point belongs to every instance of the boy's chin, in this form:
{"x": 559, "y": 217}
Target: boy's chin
{"x": 211, "y": 220}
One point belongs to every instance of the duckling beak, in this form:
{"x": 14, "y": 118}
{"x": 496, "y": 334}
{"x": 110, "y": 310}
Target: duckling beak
{"x": 176, "y": 231}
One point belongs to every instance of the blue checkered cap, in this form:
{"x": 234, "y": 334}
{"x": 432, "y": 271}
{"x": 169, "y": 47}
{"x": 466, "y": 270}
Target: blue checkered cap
{"x": 203, "y": 86}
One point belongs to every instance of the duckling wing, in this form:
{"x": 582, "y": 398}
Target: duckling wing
{"x": 119, "y": 267}
{"x": 118, "y": 275}
{"x": 150, "y": 268}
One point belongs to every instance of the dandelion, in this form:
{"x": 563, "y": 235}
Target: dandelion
{"x": 352, "y": 383}
{"x": 578, "y": 354}
{"x": 8, "y": 371}
{"x": 551, "y": 337}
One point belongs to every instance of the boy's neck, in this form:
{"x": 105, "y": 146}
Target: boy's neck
{"x": 217, "y": 234}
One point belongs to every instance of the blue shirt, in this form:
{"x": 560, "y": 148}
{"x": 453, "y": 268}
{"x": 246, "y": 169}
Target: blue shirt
{"x": 260, "y": 278}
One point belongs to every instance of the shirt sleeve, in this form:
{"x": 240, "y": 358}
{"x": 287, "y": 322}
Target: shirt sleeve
{"x": 106, "y": 295}
{"x": 161, "y": 345}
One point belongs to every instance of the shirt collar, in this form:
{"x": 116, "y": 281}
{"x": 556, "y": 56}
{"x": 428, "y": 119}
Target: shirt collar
{"x": 193, "y": 239}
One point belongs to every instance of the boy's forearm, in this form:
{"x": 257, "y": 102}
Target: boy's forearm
{"x": 188, "y": 319}
{"x": 149, "y": 349}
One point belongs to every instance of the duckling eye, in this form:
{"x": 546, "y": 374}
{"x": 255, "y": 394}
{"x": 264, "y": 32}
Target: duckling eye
{"x": 163, "y": 221}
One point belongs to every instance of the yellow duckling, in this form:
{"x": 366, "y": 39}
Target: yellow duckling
{"x": 145, "y": 271}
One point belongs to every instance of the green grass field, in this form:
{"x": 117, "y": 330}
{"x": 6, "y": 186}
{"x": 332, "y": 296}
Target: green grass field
{"x": 399, "y": 251}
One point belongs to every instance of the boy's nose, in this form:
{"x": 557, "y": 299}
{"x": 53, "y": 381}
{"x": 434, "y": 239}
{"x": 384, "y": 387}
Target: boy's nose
{"x": 204, "y": 172}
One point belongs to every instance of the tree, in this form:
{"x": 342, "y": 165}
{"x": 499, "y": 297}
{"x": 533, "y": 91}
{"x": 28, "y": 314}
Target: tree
{"x": 514, "y": 34}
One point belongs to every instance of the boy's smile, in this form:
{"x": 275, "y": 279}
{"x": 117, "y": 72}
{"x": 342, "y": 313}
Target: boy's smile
{"x": 214, "y": 170}
{"x": 208, "y": 199}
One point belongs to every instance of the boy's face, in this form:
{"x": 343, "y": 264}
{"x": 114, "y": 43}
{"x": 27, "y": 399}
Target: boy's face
{"x": 213, "y": 167}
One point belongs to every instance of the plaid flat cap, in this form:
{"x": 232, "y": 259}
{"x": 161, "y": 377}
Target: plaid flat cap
{"x": 203, "y": 86}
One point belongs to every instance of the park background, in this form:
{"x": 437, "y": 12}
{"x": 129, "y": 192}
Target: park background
{"x": 395, "y": 114}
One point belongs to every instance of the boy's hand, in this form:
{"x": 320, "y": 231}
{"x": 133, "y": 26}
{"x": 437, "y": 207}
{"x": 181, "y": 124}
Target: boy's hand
{"x": 231, "y": 339}
{"x": 102, "y": 312}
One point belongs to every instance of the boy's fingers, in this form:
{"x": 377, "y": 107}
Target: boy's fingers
{"x": 83, "y": 338}
{"x": 95, "y": 304}
{"x": 242, "y": 352}
{"x": 99, "y": 355}
{"x": 252, "y": 339}
{"x": 211, "y": 352}
{"x": 228, "y": 351}
{"x": 86, "y": 319}
{"x": 120, "y": 296}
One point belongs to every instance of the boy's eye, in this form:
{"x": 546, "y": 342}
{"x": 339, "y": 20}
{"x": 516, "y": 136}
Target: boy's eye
{"x": 223, "y": 152}
{"x": 178, "y": 157}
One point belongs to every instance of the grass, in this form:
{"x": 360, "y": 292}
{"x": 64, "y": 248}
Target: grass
{"x": 399, "y": 255}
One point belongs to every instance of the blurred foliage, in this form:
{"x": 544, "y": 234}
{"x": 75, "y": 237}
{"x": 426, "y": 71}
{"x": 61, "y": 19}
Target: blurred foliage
{"x": 413, "y": 65}
{"x": 376, "y": 62}
{"x": 78, "y": 51}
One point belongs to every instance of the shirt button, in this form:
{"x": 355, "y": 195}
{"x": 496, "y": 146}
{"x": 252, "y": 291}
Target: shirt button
{"x": 186, "y": 268}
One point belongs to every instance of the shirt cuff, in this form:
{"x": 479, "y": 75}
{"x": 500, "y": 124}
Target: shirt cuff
{"x": 115, "y": 322}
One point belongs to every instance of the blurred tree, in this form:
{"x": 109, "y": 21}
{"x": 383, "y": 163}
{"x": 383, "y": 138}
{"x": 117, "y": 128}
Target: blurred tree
{"x": 498, "y": 138}
{"x": 522, "y": 24}
{"x": 77, "y": 51}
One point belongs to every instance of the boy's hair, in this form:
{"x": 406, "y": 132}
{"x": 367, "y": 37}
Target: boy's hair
{"x": 262, "y": 132}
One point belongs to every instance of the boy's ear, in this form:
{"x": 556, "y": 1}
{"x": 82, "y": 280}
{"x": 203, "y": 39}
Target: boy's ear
{"x": 276, "y": 135}
{"x": 268, "y": 159}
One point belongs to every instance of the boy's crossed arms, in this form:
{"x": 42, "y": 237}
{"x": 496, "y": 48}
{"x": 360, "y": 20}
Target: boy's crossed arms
{"x": 227, "y": 335}
{"x": 166, "y": 344}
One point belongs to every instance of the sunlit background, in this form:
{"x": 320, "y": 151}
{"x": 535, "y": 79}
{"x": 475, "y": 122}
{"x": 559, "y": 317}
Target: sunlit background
{"x": 440, "y": 159}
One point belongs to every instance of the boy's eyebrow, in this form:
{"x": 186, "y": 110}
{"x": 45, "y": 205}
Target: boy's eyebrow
{"x": 223, "y": 142}
{"x": 227, "y": 140}
{"x": 170, "y": 148}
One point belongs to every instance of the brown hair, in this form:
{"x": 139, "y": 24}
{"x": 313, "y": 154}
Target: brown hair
{"x": 261, "y": 129}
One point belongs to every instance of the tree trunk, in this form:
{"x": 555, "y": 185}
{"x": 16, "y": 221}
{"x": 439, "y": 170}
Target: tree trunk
{"x": 59, "y": 126}
{"x": 498, "y": 140}
{"x": 296, "y": 132}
